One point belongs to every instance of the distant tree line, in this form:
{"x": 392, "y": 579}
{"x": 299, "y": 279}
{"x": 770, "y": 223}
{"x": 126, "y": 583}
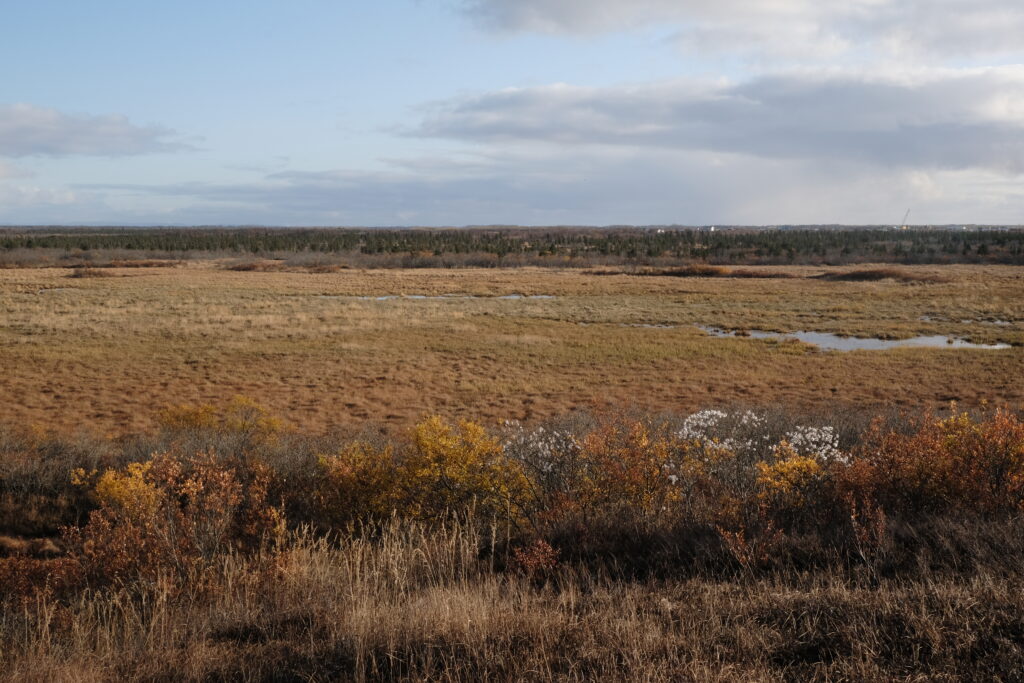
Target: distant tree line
{"x": 555, "y": 245}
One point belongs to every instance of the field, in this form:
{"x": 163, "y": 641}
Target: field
{"x": 276, "y": 469}
{"x": 108, "y": 352}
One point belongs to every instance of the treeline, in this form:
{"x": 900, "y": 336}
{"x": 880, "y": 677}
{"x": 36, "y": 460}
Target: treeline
{"x": 539, "y": 246}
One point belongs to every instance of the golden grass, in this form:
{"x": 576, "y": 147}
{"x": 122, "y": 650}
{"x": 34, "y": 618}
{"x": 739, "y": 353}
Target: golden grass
{"x": 111, "y": 352}
{"x": 413, "y": 605}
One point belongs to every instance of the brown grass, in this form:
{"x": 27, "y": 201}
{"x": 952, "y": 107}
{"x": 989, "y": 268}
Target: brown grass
{"x": 109, "y": 353}
{"x": 412, "y": 605}
{"x": 34, "y": 547}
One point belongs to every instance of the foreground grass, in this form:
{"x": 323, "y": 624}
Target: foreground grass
{"x": 412, "y": 605}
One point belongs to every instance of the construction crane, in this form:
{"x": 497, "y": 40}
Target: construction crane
{"x": 903, "y": 225}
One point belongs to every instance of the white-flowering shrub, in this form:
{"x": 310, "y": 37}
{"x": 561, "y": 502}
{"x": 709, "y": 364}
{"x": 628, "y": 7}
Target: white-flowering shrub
{"x": 819, "y": 442}
{"x": 737, "y": 432}
{"x": 701, "y": 426}
{"x": 540, "y": 447}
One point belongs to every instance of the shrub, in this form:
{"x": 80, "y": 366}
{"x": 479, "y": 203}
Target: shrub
{"x": 242, "y": 421}
{"x": 621, "y": 472}
{"x": 957, "y": 462}
{"x": 359, "y": 484}
{"x": 787, "y": 481}
{"x": 452, "y": 467}
{"x": 449, "y": 469}
{"x": 172, "y": 515}
{"x": 28, "y": 579}
{"x": 710, "y": 490}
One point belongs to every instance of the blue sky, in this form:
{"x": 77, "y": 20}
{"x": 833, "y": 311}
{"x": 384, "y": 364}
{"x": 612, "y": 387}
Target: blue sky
{"x": 456, "y": 112}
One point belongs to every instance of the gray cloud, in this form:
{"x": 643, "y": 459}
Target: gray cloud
{"x": 447, "y": 194}
{"x": 787, "y": 27}
{"x": 927, "y": 119}
{"x": 578, "y": 185}
{"x": 27, "y": 130}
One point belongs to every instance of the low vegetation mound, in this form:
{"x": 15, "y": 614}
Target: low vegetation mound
{"x": 89, "y": 272}
{"x": 875, "y": 274}
{"x": 703, "y": 270}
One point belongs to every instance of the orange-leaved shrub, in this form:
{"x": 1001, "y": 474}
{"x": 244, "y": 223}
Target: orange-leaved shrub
{"x": 626, "y": 472}
{"x": 173, "y": 514}
{"x": 942, "y": 464}
{"x": 26, "y": 579}
{"x": 629, "y": 471}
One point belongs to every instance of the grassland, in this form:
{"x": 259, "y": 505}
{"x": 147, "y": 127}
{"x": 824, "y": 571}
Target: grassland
{"x": 107, "y": 353}
{"x": 616, "y": 535}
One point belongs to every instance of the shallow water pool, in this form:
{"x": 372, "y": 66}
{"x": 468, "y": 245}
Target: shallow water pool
{"x": 834, "y": 342}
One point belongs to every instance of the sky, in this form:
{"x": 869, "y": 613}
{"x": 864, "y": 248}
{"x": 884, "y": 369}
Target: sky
{"x": 529, "y": 112}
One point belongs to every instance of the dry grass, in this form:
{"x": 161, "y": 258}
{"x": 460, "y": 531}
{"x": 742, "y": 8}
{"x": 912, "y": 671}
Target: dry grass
{"x": 412, "y": 605}
{"x": 109, "y": 353}
{"x": 35, "y": 547}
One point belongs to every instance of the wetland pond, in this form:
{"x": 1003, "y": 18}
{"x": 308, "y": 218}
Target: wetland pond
{"x": 834, "y": 342}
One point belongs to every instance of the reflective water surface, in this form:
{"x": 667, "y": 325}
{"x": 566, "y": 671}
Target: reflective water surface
{"x": 834, "y": 342}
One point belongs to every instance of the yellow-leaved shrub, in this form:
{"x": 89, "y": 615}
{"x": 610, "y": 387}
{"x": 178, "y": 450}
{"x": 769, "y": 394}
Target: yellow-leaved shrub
{"x": 359, "y": 484}
{"x": 242, "y": 416}
{"x": 788, "y": 480}
{"x": 448, "y": 469}
{"x": 452, "y": 466}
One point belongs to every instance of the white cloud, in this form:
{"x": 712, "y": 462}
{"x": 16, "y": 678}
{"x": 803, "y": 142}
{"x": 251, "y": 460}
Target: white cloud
{"x": 787, "y": 27}
{"x": 27, "y": 130}
{"x": 952, "y": 119}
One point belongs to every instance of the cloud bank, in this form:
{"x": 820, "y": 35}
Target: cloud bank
{"x": 945, "y": 119}
{"x": 27, "y": 130}
{"x": 786, "y": 27}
